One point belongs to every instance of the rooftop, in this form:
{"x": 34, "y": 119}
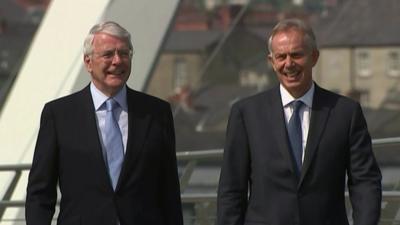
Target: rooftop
{"x": 361, "y": 23}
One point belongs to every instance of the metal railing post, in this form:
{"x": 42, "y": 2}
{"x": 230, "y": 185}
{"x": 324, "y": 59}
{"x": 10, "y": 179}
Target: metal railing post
{"x": 10, "y": 191}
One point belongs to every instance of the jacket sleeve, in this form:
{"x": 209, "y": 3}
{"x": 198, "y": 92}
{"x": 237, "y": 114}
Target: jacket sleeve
{"x": 171, "y": 199}
{"x": 364, "y": 176}
{"x": 42, "y": 184}
{"x": 233, "y": 184}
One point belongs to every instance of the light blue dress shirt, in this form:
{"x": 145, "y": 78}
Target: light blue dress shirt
{"x": 121, "y": 113}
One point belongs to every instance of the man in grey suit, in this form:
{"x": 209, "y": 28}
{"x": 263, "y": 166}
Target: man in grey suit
{"x": 288, "y": 150}
{"x": 110, "y": 149}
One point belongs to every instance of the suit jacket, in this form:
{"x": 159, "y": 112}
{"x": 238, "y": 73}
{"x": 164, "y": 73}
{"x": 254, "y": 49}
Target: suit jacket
{"x": 259, "y": 185}
{"x": 68, "y": 152}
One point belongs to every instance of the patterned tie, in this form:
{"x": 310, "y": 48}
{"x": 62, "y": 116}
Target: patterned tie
{"x": 113, "y": 142}
{"x": 295, "y": 134}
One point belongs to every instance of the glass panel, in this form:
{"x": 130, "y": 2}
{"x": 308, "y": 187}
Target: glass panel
{"x": 393, "y": 63}
{"x": 363, "y": 63}
{"x": 19, "y": 21}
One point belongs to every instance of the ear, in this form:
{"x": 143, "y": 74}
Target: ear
{"x": 271, "y": 61}
{"x": 315, "y": 56}
{"x": 88, "y": 63}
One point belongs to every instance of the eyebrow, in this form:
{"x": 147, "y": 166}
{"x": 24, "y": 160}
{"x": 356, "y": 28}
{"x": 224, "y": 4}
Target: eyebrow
{"x": 290, "y": 53}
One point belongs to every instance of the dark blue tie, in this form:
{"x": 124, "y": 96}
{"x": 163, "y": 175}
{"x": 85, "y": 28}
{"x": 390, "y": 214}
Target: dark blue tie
{"x": 113, "y": 142}
{"x": 295, "y": 134}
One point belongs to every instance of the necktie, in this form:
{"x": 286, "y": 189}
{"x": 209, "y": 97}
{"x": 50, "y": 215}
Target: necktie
{"x": 113, "y": 142}
{"x": 295, "y": 134}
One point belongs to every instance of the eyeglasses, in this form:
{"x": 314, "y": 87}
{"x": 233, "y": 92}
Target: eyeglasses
{"x": 108, "y": 55}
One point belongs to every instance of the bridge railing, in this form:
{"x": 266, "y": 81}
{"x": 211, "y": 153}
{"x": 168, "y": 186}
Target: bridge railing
{"x": 199, "y": 207}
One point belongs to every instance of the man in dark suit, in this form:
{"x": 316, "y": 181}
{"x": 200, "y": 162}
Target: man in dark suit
{"x": 288, "y": 149}
{"x": 110, "y": 149}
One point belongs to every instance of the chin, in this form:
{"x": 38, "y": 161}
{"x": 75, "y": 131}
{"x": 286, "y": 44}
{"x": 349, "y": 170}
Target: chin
{"x": 115, "y": 84}
{"x": 116, "y": 80}
{"x": 292, "y": 83}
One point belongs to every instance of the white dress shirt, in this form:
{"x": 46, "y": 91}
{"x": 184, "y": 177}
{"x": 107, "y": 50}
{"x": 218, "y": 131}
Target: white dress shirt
{"x": 305, "y": 111}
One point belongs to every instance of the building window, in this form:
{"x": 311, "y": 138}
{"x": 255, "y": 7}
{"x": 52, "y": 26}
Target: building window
{"x": 363, "y": 62}
{"x": 393, "y": 67}
{"x": 364, "y": 98}
{"x": 180, "y": 73}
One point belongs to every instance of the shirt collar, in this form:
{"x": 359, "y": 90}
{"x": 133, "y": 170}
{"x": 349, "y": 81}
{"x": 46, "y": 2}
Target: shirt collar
{"x": 307, "y": 98}
{"x": 99, "y": 98}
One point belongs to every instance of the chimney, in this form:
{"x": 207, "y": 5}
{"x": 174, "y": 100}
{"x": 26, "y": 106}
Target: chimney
{"x": 227, "y": 14}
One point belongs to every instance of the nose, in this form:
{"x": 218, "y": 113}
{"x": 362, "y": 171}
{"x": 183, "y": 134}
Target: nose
{"x": 289, "y": 61}
{"x": 116, "y": 58}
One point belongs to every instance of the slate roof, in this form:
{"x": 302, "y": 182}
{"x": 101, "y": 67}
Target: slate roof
{"x": 212, "y": 105}
{"x": 361, "y": 23}
{"x": 189, "y": 41}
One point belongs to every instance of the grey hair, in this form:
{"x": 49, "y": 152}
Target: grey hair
{"x": 298, "y": 24}
{"x": 108, "y": 27}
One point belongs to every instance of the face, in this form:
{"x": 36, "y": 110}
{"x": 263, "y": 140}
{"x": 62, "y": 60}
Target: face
{"x": 110, "y": 63}
{"x": 293, "y": 60}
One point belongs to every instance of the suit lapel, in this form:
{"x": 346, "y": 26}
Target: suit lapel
{"x": 319, "y": 115}
{"x": 138, "y": 124}
{"x": 278, "y": 125}
{"x": 88, "y": 122}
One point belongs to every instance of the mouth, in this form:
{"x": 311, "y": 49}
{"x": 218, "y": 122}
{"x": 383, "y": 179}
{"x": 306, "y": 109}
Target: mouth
{"x": 291, "y": 73}
{"x": 116, "y": 73}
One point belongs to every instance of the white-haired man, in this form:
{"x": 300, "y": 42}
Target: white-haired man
{"x": 110, "y": 149}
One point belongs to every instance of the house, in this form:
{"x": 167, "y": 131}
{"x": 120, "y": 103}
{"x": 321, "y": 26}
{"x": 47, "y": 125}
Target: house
{"x": 360, "y": 52}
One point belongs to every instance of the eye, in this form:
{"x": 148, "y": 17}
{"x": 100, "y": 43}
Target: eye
{"x": 280, "y": 57}
{"x": 107, "y": 54}
{"x": 297, "y": 55}
{"x": 124, "y": 53}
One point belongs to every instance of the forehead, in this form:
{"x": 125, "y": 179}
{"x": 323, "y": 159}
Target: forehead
{"x": 292, "y": 39}
{"x": 104, "y": 40}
